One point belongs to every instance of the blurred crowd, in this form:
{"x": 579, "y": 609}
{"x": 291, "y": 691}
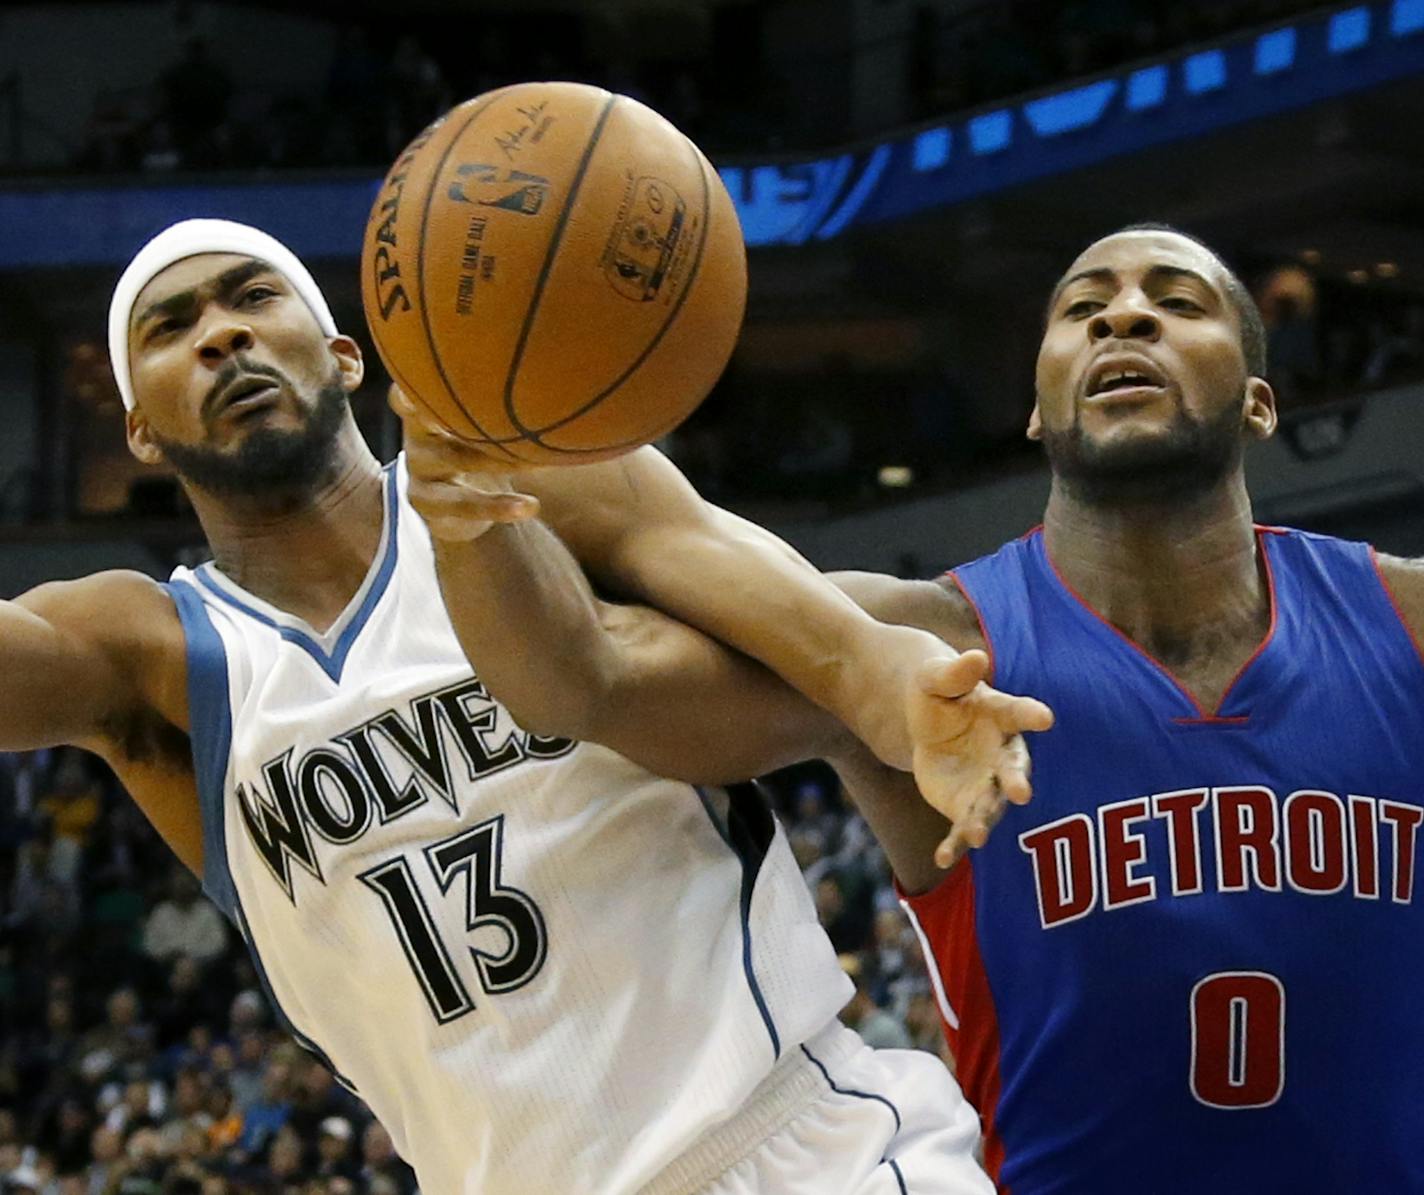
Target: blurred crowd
{"x": 375, "y": 98}
{"x": 375, "y": 94}
{"x": 138, "y": 1055}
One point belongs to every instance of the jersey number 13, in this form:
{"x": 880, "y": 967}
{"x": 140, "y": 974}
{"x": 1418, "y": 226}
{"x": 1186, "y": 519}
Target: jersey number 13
{"x": 476, "y": 855}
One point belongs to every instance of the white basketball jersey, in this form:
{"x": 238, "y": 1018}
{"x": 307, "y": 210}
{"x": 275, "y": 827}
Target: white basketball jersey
{"x": 545, "y": 969}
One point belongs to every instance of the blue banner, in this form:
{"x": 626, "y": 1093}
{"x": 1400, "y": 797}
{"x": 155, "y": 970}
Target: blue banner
{"x": 1354, "y": 48}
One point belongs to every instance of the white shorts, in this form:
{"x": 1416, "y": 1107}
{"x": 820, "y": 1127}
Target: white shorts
{"x": 838, "y": 1118}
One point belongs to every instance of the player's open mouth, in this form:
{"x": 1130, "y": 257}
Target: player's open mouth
{"x": 1121, "y": 376}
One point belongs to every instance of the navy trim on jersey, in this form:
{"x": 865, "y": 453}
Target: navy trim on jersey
{"x": 283, "y": 1019}
{"x": 860, "y": 1095}
{"x": 333, "y": 662}
{"x": 899, "y": 1178}
{"x": 745, "y": 835}
{"x": 210, "y": 732}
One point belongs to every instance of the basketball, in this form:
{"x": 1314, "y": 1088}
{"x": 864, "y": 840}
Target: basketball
{"x": 555, "y": 272}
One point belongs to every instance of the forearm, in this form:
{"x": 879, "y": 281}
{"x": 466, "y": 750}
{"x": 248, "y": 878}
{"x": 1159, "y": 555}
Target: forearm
{"x": 566, "y": 663}
{"x": 529, "y": 623}
{"x": 749, "y": 589}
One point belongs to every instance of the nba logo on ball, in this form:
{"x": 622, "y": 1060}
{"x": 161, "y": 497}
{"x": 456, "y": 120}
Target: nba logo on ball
{"x": 514, "y": 191}
{"x": 645, "y": 239}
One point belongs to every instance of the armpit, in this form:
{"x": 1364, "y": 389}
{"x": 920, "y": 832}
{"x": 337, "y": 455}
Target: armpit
{"x": 145, "y": 737}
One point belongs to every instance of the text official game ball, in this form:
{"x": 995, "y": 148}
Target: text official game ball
{"x": 554, "y": 271}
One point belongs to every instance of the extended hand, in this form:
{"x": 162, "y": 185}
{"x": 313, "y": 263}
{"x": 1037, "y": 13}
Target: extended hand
{"x": 458, "y": 490}
{"x": 969, "y": 753}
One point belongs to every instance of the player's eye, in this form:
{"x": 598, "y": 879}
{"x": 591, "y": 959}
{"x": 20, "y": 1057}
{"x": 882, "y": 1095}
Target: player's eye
{"x": 1180, "y": 303}
{"x": 163, "y": 328}
{"x": 257, "y": 293}
{"x": 1083, "y": 307}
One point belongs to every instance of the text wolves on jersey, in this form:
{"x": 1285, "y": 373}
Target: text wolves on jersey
{"x": 338, "y": 788}
{"x": 1313, "y": 842}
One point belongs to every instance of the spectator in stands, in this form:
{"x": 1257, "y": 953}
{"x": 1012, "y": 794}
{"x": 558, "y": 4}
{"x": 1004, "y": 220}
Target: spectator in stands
{"x": 106, "y": 1148}
{"x": 380, "y": 1162}
{"x": 246, "y": 1080}
{"x": 184, "y": 924}
{"x": 64, "y": 1134}
{"x": 284, "y": 1156}
{"x": 318, "y": 1099}
{"x": 122, "y": 1039}
{"x": 880, "y": 1030}
{"x": 111, "y": 142}
{"x": 335, "y": 1149}
{"x": 70, "y": 808}
{"x": 161, "y": 154}
{"x": 139, "y": 1108}
{"x": 196, "y": 91}
{"x": 922, "y": 1023}
{"x": 186, "y": 1005}
{"x": 267, "y": 1115}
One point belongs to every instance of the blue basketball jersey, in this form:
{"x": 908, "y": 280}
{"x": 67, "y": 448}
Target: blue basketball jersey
{"x": 1195, "y": 961}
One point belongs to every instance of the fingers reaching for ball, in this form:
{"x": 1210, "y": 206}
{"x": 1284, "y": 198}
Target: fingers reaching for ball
{"x": 460, "y": 491}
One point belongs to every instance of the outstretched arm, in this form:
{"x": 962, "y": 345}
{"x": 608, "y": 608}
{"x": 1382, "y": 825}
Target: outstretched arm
{"x": 639, "y": 529}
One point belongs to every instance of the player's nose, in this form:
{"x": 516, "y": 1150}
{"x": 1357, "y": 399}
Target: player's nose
{"x": 222, "y": 336}
{"x": 1125, "y": 318}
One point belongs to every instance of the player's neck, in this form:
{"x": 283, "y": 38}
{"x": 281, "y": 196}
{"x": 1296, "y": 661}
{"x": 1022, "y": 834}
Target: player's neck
{"x": 1185, "y": 575}
{"x": 306, "y": 554}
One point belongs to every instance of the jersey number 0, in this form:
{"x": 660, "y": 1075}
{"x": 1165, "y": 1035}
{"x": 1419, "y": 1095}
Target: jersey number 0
{"x": 477, "y": 855}
{"x": 1238, "y": 1040}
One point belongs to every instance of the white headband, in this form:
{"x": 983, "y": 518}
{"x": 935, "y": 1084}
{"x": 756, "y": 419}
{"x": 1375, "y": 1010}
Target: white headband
{"x": 188, "y": 238}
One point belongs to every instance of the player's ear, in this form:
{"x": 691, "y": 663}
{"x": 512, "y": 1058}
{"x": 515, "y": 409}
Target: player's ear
{"x": 1035, "y": 423}
{"x": 1260, "y": 408}
{"x": 140, "y": 438}
{"x": 348, "y": 360}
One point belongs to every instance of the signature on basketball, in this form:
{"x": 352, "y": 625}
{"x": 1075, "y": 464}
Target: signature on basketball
{"x": 535, "y": 125}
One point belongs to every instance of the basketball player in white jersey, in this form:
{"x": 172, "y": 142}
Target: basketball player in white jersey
{"x": 546, "y": 968}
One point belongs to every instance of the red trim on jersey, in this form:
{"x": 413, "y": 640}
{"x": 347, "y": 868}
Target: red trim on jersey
{"x": 979, "y": 618}
{"x": 1203, "y": 716}
{"x": 1394, "y": 601}
{"x": 946, "y": 915}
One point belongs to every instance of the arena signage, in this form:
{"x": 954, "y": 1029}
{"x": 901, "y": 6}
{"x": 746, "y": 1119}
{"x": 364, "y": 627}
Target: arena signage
{"x": 1353, "y": 48}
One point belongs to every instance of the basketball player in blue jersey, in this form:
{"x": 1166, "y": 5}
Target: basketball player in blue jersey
{"x": 546, "y": 967}
{"x": 1191, "y": 963}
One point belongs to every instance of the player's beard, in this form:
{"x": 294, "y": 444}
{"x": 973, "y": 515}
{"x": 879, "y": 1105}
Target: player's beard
{"x": 1192, "y": 458}
{"x": 268, "y": 462}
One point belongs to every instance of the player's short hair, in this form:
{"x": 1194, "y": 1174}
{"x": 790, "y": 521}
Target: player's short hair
{"x": 1253, "y": 329}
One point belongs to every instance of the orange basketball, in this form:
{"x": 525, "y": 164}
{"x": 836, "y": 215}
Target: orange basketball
{"x": 555, "y": 272}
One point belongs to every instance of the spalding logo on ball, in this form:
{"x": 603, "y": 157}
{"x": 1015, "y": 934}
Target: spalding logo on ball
{"x": 555, "y": 272}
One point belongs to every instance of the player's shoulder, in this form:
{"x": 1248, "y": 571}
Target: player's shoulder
{"x": 1403, "y": 577}
{"x": 938, "y": 606}
{"x": 126, "y": 626}
{"x": 115, "y": 606}
{"x": 127, "y": 621}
